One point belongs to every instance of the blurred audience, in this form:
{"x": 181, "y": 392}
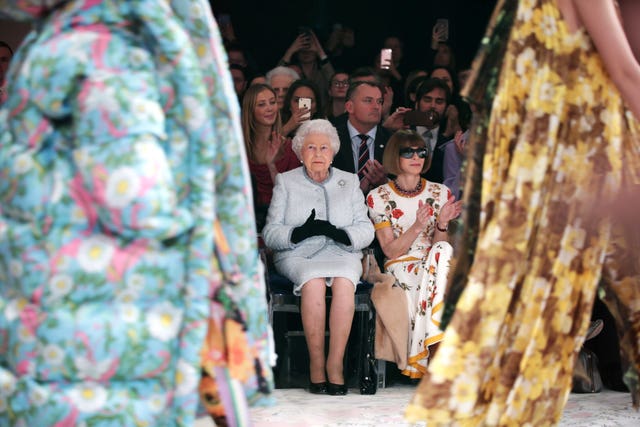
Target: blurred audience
{"x": 280, "y": 79}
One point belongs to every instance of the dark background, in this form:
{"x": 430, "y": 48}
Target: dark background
{"x": 267, "y": 28}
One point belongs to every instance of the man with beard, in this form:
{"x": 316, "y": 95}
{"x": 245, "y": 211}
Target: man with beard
{"x": 432, "y": 98}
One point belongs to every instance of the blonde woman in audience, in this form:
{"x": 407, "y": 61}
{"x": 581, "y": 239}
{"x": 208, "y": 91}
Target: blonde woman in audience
{"x": 268, "y": 151}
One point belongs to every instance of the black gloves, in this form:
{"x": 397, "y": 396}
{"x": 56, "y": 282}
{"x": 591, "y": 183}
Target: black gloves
{"x": 319, "y": 227}
{"x": 305, "y": 230}
{"x": 325, "y": 228}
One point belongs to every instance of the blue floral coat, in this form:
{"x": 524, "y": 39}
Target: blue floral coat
{"x": 119, "y": 151}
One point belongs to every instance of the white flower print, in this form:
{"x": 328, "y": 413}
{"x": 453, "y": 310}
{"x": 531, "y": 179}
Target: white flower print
{"x": 187, "y": 378}
{"x": 57, "y": 188}
{"x": 25, "y": 335}
{"x": 7, "y": 383}
{"x": 123, "y": 185}
{"x": 53, "y": 355}
{"x": 38, "y": 396}
{"x": 13, "y": 308}
{"x": 163, "y": 321}
{"x": 193, "y": 112}
{"x": 94, "y": 254}
{"x": 88, "y": 397}
{"x": 60, "y": 285}
{"x": 157, "y": 402}
{"x": 130, "y": 313}
{"x": 127, "y": 296}
{"x": 23, "y": 163}
{"x": 91, "y": 369}
{"x": 136, "y": 282}
{"x": 102, "y": 97}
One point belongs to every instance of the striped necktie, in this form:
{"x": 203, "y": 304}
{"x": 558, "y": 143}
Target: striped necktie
{"x": 363, "y": 155}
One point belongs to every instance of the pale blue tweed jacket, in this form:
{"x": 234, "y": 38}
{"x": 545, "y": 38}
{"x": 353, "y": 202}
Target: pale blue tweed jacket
{"x": 338, "y": 200}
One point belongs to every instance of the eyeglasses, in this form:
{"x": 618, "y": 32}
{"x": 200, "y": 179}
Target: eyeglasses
{"x": 341, "y": 83}
{"x": 408, "y": 152}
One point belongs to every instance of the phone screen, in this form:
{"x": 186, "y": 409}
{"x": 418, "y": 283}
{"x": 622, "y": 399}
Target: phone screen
{"x": 385, "y": 58}
{"x": 305, "y": 103}
{"x": 443, "y": 24}
{"x": 418, "y": 118}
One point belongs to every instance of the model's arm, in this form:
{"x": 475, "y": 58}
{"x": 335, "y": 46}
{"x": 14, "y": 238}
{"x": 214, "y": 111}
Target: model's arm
{"x": 601, "y": 21}
{"x": 630, "y": 12}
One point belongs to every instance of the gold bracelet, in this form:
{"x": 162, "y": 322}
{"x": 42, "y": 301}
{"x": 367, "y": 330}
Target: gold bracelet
{"x": 444, "y": 230}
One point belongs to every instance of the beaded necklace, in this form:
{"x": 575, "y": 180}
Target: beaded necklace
{"x": 408, "y": 193}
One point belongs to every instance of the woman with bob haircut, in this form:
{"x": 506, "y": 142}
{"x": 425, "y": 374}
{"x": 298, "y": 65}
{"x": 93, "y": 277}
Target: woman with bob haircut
{"x": 411, "y": 217}
{"x": 317, "y": 226}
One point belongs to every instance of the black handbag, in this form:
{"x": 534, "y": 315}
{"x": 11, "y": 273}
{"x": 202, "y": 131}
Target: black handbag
{"x": 586, "y": 376}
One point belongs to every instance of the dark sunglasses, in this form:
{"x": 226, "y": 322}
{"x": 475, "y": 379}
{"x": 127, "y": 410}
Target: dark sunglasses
{"x": 408, "y": 152}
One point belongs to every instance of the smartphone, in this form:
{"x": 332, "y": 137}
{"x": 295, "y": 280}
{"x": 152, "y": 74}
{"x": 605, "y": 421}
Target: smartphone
{"x": 385, "y": 58}
{"x": 306, "y": 33}
{"x": 443, "y": 24}
{"x": 305, "y": 103}
{"x": 418, "y": 118}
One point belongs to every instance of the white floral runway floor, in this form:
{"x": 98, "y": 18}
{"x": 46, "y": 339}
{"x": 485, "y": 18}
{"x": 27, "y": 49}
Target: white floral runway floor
{"x": 298, "y": 408}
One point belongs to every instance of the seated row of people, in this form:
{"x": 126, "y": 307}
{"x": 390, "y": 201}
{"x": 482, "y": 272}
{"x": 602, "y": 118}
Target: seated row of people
{"x": 362, "y": 132}
{"x": 318, "y": 223}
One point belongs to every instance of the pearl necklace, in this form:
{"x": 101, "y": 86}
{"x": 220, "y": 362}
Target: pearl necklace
{"x": 408, "y": 193}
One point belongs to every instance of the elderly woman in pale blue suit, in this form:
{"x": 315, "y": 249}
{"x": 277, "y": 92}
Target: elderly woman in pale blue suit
{"x": 317, "y": 226}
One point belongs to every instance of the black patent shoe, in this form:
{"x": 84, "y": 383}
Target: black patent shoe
{"x": 336, "y": 389}
{"x": 318, "y": 388}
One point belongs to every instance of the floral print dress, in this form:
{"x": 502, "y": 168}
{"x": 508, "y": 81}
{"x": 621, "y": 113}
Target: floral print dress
{"x": 126, "y": 227}
{"x": 558, "y": 144}
{"x": 422, "y": 271}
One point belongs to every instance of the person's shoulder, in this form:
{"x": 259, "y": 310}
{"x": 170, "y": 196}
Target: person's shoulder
{"x": 381, "y": 189}
{"x": 382, "y": 133}
{"x": 339, "y": 121}
{"x": 437, "y": 188}
{"x": 293, "y": 174}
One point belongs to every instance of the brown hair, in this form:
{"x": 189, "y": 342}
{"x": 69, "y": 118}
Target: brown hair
{"x": 248, "y": 118}
{"x": 402, "y": 139}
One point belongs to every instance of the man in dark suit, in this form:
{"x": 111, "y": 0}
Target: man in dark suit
{"x": 433, "y": 97}
{"x": 362, "y": 139}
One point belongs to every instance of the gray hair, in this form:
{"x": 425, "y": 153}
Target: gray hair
{"x": 318, "y": 126}
{"x": 281, "y": 71}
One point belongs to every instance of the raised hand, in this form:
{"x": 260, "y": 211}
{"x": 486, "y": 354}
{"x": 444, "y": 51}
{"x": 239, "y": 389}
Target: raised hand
{"x": 460, "y": 141}
{"x": 450, "y": 210}
{"x": 423, "y": 213}
{"x": 275, "y": 143}
{"x": 374, "y": 173}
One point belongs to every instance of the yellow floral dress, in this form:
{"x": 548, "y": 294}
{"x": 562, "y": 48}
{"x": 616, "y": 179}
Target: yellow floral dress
{"x": 558, "y": 145}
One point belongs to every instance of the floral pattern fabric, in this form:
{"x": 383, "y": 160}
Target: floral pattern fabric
{"x": 121, "y": 163}
{"x": 422, "y": 271}
{"x": 559, "y": 143}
